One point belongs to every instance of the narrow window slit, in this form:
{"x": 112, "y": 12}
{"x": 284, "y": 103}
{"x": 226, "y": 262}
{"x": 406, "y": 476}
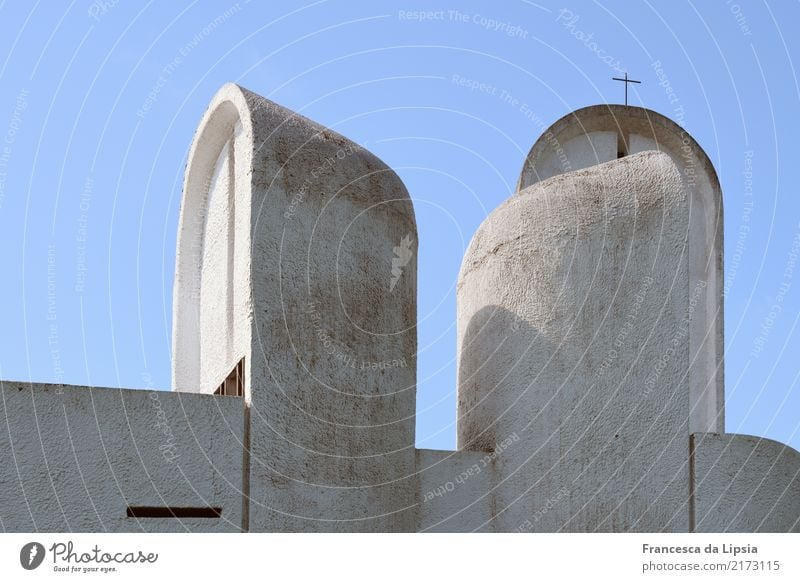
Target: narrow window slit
{"x": 147, "y": 511}
{"x": 621, "y": 146}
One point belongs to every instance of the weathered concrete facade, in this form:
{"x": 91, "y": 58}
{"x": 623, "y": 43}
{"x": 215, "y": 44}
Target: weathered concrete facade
{"x": 590, "y": 394}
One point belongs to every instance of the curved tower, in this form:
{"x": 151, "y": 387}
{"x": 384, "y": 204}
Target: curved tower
{"x": 296, "y": 288}
{"x": 590, "y": 323}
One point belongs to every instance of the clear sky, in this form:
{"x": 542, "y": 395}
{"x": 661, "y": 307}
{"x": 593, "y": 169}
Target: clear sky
{"x": 99, "y": 102}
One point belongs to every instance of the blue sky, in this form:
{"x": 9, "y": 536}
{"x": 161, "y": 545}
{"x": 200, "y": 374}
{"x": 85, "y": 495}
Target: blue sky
{"x": 99, "y": 102}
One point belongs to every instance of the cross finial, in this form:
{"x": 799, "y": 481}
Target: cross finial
{"x": 626, "y": 80}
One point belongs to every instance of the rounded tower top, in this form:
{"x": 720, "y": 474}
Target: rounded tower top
{"x": 601, "y": 133}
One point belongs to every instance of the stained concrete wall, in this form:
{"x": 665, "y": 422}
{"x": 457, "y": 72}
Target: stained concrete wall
{"x": 573, "y": 314}
{"x": 74, "y": 458}
{"x": 745, "y": 484}
{"x": 334, "y": 350}
{"x": 331, "y": 272}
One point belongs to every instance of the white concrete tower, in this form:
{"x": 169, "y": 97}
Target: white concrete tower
{"x": 602, "y": 133}
{"x": 296, "y": 286}
{"x": 590, "y": 324}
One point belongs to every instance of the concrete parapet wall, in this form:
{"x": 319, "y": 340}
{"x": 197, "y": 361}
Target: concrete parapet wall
{"x": 745, "y": 484}
{"x": 74, "y": 458}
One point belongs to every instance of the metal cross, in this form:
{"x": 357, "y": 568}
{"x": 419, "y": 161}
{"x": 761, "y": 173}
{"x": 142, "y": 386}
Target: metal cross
{"x": 626, "y": 80}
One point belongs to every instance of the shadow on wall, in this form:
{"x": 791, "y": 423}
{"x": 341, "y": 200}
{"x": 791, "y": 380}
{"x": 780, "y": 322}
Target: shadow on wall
{"x": 497, "y": 345}
{"x": 589, "y": 444}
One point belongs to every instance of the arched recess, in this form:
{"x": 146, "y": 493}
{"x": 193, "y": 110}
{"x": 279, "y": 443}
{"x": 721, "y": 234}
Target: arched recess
{"x": 211, "y": 294}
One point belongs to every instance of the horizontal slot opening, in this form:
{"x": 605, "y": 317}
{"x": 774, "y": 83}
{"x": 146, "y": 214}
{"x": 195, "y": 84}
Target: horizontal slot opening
{"x": 146, "y": 511}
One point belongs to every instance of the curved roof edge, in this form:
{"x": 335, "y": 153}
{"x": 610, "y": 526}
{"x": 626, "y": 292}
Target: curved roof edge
{"x": 609, "y": 117}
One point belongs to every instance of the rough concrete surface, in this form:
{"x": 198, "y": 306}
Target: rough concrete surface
{"x": 634, "y": 130}
{"x": 74, "y": 458}
{"x": 745, "y": 484}
{"x": 552, "y": 280}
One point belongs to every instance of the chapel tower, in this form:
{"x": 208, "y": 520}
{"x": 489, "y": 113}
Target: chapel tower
{"x": 590, "y": 323}
{"x": 296, "y": 288}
